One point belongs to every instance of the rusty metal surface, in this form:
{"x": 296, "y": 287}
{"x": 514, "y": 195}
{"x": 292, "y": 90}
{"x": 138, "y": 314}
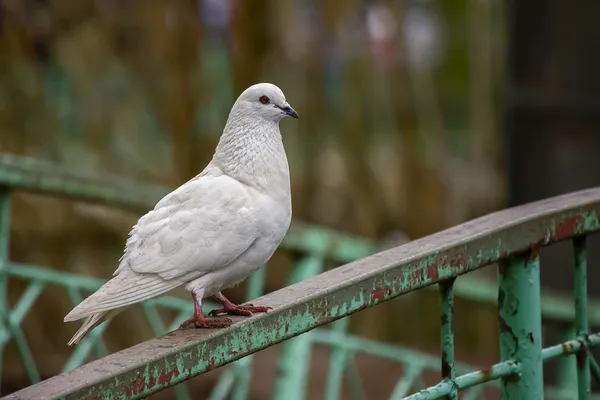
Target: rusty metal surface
{"x": 520, "y": 325}
{"x": 172, "y": 358}
{"x": 447, "y": 334}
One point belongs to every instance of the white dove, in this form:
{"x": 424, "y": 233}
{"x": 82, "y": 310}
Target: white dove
{"x": 216, "y": 229}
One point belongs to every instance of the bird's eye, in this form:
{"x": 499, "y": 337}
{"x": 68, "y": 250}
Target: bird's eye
{"x": 264, "y": 99}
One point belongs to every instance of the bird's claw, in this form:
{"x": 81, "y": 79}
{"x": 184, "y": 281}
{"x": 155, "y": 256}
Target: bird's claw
{"x": 244, "y": 310}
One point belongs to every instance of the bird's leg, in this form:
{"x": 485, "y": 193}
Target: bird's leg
{"x": 201, "y": 322}
{"x": 245, "y": 310}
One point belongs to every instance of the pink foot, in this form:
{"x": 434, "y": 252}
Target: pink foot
{"x": 200, "y": 322}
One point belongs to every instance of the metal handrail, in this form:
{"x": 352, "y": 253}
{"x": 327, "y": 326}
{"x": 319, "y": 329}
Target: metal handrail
{"x": 513, "y": 233}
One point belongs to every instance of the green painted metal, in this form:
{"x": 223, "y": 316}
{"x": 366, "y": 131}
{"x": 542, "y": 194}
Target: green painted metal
{"x": 571, "y": 346}
{"x": 36, "y": 176}
{"x": 555, "y": 306}
{"x": 520, "y": 323}
{"x": 356, "y": 388}
{"x": 338, "y": 363}
{"x": 294, "y": 361}
{"x": 501, "y": 370}
{"x": 440, "y": 258}
{"x": 567, "y": 366}
{"x": 11, "y": 319}
{"x": 256, "y": 287}
{"x": 365, "y": 283}
{"x": 447, "y": 334}
{"x": 584, "y": 380}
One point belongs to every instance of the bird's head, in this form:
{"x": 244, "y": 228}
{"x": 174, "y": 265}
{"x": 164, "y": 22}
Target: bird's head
{"x": 265, "y": 100}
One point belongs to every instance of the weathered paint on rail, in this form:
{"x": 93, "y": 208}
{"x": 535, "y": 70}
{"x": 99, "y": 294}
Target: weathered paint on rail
{"x": 164, "y": 361}
{"x": 447, "y": 333}
{"x": 503, "y": 369}
{"x": 520, "y": 324}
{"x": 446, "y": 387}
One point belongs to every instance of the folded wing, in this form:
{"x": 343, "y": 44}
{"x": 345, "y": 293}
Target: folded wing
{"x": 186, "y": 236}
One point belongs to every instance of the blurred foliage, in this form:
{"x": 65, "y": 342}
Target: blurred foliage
{"x": 397, "y": 99}
{"x": 398, "y": 104}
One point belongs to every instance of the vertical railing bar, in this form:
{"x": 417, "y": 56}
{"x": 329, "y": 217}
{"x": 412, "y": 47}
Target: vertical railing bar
{"x": 357, "y": 390}
{"x": 567, "y": 366}
{"x": 15, "y": 317}
{"x": 5, "y": 209}
{"x": 243, "y": 367}
{"x": 26, "y": 354}
{"x": 242, "y": 370}
{"x": 223, "y": 386}
{"x": 520, "y": 324}
{"x": 447, "y": 332}
{"x": 584, "y": 380}
{"x": 294, "y": 360}
{"x": 337, "y": 364}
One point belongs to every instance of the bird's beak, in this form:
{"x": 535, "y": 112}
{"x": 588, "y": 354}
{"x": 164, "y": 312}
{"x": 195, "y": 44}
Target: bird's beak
{"x": 288, "y": 110}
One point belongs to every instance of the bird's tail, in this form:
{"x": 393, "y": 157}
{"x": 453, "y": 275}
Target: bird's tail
{"x": 114, "y": 296}
{"x": 91, "y": 322}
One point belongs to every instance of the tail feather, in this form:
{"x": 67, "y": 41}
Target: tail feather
{"x": 91, "y": 322}
{"x": 122, "y": 290}
{"x": 114, "y": 296}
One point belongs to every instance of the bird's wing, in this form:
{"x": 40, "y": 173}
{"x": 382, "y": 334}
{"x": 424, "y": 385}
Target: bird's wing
{"x": 208, "y": 223}
{"x": 204, "y": 225}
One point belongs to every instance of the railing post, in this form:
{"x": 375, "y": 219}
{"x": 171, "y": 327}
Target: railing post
{"x": 584, "y": 380}
{"x": 520, "y": 324}
{"x": 243, "y": 367}
{"x": 566, "y": 379}
{"x": 294, "y": 359}
{"x": 447, "y": 333}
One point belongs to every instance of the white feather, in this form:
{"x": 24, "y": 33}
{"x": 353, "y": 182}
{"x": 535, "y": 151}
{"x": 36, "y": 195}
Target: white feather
{"x": 217, "y": 228}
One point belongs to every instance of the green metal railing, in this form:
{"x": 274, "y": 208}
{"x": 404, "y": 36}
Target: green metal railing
{"x": 511, "y": 238}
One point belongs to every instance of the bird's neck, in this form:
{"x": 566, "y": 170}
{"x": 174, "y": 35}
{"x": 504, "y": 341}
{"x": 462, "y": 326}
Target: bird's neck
{"x": 251, "y": 151}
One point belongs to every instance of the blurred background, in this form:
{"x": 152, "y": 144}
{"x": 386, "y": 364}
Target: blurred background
{"x": 415, "y": 115}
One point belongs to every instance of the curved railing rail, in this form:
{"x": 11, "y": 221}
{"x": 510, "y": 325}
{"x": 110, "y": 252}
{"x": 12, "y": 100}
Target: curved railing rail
{"x": 511, "y": 238}
{"x": 31, "y": 175}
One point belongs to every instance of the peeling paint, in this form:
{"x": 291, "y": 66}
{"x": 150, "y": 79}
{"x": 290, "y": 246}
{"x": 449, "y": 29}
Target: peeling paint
{"x": 165, "y": 377}
{"x": 568, "y": 227}
{"x": 378, "y": 295}
{"x": 151, "y": 366}
{"x": 520, "y": 324}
